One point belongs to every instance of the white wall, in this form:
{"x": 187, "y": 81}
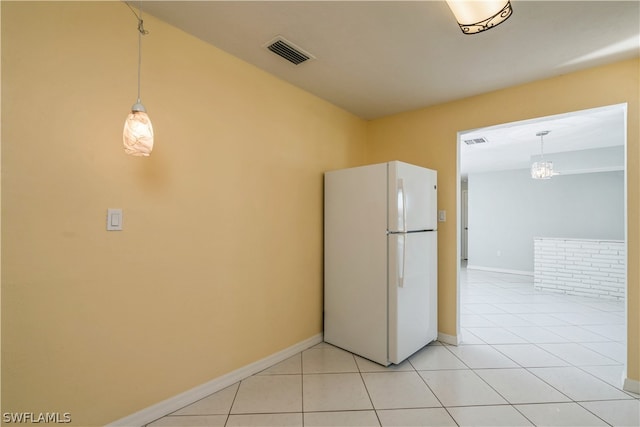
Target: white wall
{"x": 507, "y": 209}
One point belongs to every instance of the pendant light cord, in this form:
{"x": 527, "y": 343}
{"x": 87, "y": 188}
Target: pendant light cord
{"x": 542, "y": 135}
{"x": 141, "y": 32}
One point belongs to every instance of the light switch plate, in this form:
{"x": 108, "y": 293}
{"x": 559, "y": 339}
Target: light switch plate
{"x": 442, "y": 216}
{"x": 114, "y": 219}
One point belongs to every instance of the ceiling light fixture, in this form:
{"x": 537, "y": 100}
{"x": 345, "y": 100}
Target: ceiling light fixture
{"x": 138, "y": 131}
{"x": 475, "y": 16}
{"x": 542, "y": 169}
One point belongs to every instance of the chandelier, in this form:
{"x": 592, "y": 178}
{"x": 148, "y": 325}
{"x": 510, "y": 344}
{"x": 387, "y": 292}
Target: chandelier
{"x": 542, "y": 169}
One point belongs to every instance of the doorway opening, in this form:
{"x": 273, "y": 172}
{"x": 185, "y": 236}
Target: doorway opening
{"x": 503, "y": 212}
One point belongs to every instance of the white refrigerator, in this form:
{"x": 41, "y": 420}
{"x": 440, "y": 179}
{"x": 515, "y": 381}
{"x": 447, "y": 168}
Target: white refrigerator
{"x": 380, "y": 260}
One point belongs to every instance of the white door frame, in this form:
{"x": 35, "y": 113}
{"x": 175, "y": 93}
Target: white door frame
{"x": 628, "y": 384}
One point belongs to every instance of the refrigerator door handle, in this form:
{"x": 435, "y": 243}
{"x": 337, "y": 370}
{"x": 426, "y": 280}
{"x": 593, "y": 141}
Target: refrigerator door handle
{"x": 402, "y": 254}
{"x": 402, "y": 205}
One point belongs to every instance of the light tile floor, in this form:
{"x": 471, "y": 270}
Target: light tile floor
{"x": 527, "y": 358}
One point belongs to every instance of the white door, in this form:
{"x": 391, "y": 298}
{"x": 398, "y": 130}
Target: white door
{"x": 413, "y": 198}
{"x": 413, "y": 293}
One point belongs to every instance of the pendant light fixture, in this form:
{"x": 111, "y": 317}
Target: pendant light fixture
{"x": 542, "y": 169}
{"x": 475, "y": 16}
{"x": 138, "y": 131}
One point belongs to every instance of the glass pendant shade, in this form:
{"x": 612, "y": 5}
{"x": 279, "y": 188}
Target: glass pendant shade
{"x": 138, "y": 132}
{"x": 137, "y": 135}
{"x": 475, "y": 16}
{"x": 542, "y": 170}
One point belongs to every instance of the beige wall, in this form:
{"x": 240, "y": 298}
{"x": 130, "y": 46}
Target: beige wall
{"x": 428, "y": 137}
{"x": 220, "y": 260}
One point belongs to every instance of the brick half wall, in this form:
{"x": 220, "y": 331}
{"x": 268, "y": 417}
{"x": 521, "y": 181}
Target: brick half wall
{"x": 583, "y": 267}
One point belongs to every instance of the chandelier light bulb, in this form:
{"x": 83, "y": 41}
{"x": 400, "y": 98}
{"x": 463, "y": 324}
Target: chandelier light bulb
{"x": 542, "y": 170}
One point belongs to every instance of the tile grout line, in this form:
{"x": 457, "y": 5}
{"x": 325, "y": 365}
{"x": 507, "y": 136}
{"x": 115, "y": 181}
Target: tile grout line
{"x": 302, "y": 384}
{"x": 235, "y": 395}
{"x": 364, "y": 383}
{"x": 434, "y": 393}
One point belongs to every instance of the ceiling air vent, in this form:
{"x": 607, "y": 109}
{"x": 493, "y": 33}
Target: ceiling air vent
{"x": 289, "y": 51}
{"x": 473, "y": 141}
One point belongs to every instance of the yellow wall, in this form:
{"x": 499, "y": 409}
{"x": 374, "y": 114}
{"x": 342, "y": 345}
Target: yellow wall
{"x": 428, "y": 137}
{"x": 220, "y": 260}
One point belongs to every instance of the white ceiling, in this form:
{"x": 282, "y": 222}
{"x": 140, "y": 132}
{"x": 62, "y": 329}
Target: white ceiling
{"x": 511, "y": 145}
{"x": 377, "y": 58}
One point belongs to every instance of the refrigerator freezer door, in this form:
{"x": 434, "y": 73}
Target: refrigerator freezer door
{"x": 413, "y": 198}
{"x": 413, "y": 293}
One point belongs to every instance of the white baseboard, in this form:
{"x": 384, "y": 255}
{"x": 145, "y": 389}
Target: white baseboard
{"x": 188, "y": 397}
{"x": 500, "y": 270}
{"x": 631, "y": 385}
{"x": 448, "y": 339}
